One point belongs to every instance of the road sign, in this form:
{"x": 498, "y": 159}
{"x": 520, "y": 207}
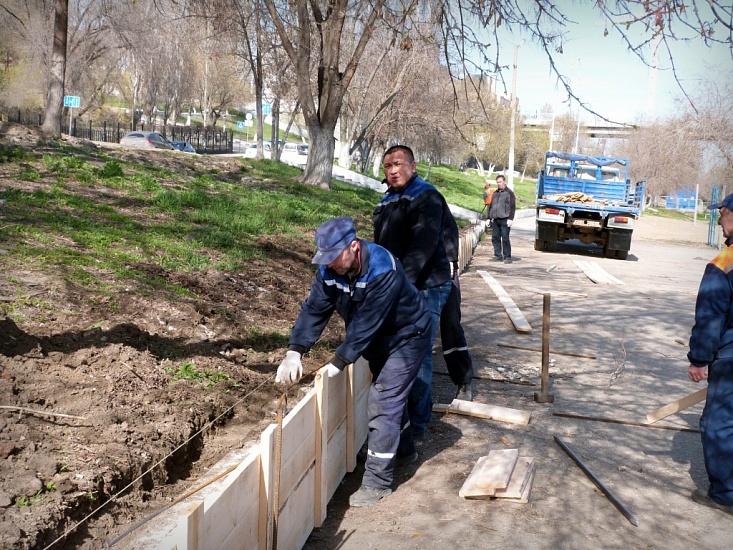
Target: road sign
{"x": 266, "y": 108}
{"x": 249, "y": 123}
{"x": 240, "y": 124}
{"x": 248, "y": 116}
{"x": 72, "y": 101}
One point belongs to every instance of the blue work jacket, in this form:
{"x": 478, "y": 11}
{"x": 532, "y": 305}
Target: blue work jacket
{"x": 382, "y": 310}
{"x": 712, "y": 334}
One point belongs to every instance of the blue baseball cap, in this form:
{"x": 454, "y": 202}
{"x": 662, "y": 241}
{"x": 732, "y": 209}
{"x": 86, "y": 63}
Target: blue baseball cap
{"x": 727, "y": 202}
{"x": 332, "y": 237}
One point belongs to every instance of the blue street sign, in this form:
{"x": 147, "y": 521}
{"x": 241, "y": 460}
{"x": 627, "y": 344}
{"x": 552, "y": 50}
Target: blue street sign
{"x": 266, "y": 108}
{"x": 240, "y": 125}
{"x": 72, "y": 101}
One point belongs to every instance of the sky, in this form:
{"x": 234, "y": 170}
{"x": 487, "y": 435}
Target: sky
{"x": 611, "y": 80}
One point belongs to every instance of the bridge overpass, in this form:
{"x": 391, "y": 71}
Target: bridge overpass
{"x": 592, "y": 131}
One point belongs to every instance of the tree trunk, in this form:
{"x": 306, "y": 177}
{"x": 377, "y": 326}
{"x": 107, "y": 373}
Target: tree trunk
{"x": 55, "y": 96}
{"x": 319, "y": 168}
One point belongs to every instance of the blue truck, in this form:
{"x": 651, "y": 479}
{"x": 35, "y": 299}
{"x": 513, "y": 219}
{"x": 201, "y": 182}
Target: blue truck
{"x": 590, "y": 199}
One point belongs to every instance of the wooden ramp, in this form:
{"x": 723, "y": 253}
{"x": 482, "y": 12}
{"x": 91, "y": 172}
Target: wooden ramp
{"x": 597, "y": 274}
{"x": 516, "y": 316}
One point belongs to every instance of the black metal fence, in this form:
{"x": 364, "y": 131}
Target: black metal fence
{"x": 204, "y": 140}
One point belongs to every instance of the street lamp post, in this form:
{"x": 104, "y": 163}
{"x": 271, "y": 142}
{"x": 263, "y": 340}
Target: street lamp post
{"x": 512, "y": 125}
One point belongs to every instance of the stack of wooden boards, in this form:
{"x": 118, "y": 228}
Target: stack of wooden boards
{"x": 575, "y": 196}
{"x": 500, "y": 474}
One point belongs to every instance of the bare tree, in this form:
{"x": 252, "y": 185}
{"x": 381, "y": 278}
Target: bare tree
{"x": 55, "y": 96}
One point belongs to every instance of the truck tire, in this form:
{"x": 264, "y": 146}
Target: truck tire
{"x": 544, "y": 246}
{"x": 622, "y": 254}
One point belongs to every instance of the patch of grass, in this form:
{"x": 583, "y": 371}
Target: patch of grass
{"x": 188, "y": 371}
{"x": 111, "y": 169}
{"x": 14, "y": 153}
{"x": 29, "y": 173}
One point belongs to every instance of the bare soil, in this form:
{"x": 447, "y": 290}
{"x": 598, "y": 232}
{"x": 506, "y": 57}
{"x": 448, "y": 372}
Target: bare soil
{"x": 94, "y": 428}
{"x": 135, "y": 439}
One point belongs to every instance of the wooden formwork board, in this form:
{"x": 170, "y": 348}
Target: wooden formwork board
{"x": 597, "y": 274}
{"x": 298, "y": 443}
{"x": 230, "y": 521}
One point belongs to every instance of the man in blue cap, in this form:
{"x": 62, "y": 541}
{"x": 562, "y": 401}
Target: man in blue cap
{"x": 387, "y": 323}
{"x": 711, "y": 358}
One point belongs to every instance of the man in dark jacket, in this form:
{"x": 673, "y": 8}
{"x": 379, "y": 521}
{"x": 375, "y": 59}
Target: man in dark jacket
{"x": 387, "y": 323}
{"x": 501, "y": 211}
{"x": 711, "y": 358}
{"x": 408, "y": 222}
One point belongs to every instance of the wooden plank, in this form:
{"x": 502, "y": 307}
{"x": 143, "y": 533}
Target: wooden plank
{"x": 514, "y": 313}
{"x": 524, "y": 498}
{"x": 523, "y": 470}
{"x": 491, "y": 472}
{"x": 480, "y": 410}
{"x": 267, "y": 481}
{"x": 596, "y": 273}
{"x": 298, "y": 443}
{"x": 320, "y": 498}
{"x": 350, "y": 427}
{"x": 230, "y": 521}
{"x": 675, "y": 406}
{"x": 186, "y": 536}
{"x": 295, "y": 520}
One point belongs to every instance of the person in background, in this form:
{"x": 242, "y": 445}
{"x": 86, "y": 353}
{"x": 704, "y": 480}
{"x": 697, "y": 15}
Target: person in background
{"x": 711, "y": 359}
{"x": 452, "y": 337}
{"x": 488, "y": 193}
{"x": 408, "y": 222}
{"x": 387, "y": 322}
{"x": 501, "y": 212}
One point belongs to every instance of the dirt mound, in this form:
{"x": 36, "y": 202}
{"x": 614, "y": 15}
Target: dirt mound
{"x": 112, "y": 404}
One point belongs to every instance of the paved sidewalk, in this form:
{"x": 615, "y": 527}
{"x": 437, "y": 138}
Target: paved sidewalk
{"x": 633, "y": 331}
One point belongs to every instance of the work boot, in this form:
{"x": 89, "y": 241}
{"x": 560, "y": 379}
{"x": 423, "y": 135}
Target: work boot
{"x": 465, "y": 393}
{"x": 407, "y": 459}
{"x": 366, "y": 496}
{"x": 495, "y": 259}
{"x": 701, "y": 496}
{"x": 507, "y": 260}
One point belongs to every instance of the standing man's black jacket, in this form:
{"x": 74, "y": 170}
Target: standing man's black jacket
{"x": 409, "y": 223}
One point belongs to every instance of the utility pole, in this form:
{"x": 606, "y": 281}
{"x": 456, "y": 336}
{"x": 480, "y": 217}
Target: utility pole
{"x": 577, "y": 129}
{"x": 512, "y": 126}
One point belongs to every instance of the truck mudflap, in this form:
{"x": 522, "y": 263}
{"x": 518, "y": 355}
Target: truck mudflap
{"x": 619, "y": 239}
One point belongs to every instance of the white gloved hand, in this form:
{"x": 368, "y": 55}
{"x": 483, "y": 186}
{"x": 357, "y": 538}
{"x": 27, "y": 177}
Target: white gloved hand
{"x": 332, "y": 370}
{"x": 509, "y": 223}
{"x": 290, "y": 370}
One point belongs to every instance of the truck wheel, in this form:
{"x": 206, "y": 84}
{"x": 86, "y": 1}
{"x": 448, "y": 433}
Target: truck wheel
{"x": 539, "y": 245}
{"x": 622, "y": 254}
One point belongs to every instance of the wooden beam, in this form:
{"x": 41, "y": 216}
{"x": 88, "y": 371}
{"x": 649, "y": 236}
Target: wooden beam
{"x": 675, "y": 406}
{"x": 625, "y": 422}
{"x": 514, "y": 313}
{"x": 490, "y": 473}
{"x": 551, "y": 352}
{"x": 479, "y": 410}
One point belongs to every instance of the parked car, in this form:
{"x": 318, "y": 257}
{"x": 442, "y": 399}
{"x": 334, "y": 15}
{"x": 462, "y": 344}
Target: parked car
{"x": 251, "y": 150}
{"x": 151, "y": 140}
{"x": 184, "y": 146}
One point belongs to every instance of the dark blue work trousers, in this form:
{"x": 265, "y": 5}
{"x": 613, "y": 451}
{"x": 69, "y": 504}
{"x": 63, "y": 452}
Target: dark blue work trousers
{"x": 389, "y": 424}
{"x": 500, "y": 238}
{"x": 716, "y": 428}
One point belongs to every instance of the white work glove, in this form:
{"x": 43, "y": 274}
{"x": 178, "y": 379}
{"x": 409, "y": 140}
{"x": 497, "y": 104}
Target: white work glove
{"x": 509, "y": 223}
{"x": 332, "y": 370}
{"x": 290, "y": 370}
